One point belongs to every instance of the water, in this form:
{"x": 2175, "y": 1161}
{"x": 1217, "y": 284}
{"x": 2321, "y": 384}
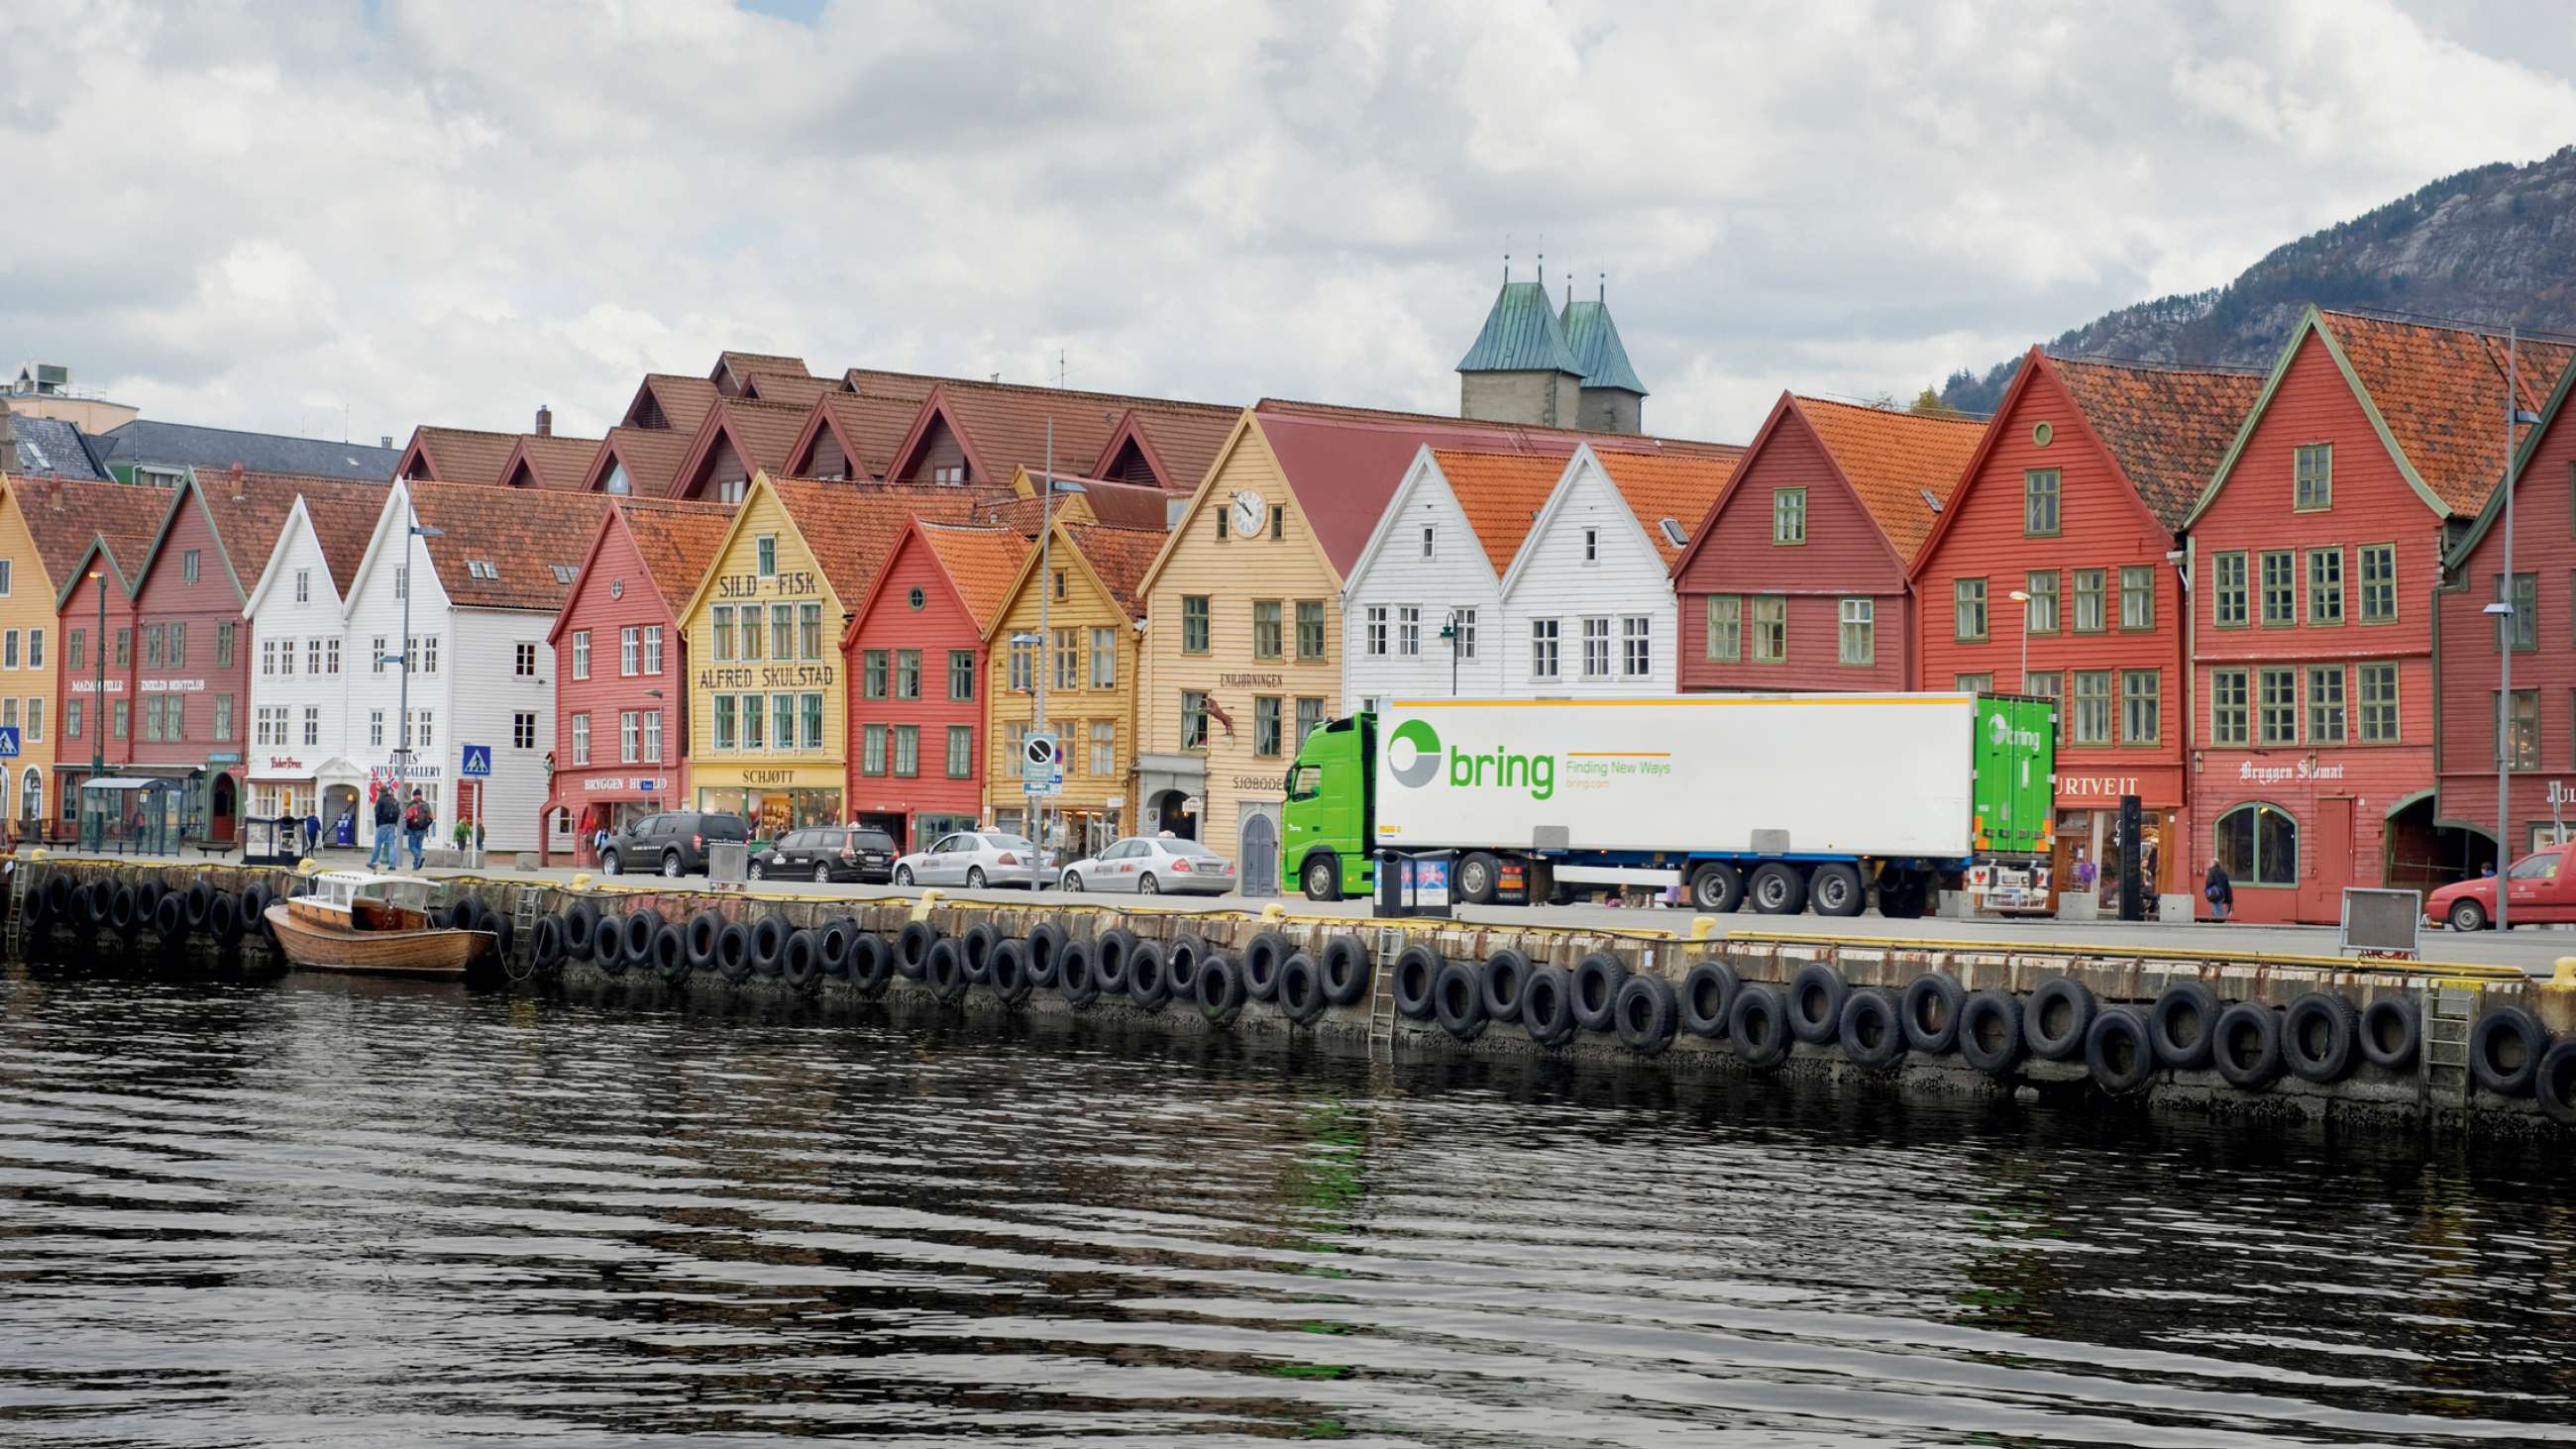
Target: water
{"x": 326, "y": 1213}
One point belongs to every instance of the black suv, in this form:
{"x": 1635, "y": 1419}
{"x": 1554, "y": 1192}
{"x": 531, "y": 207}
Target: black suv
{"x": 827, "y": 853}
{"x": 673, "y": 842}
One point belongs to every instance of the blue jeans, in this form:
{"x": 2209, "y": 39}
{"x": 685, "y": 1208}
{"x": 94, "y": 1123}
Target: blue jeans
{"x": 415, "y": 837}
{"x": 383, "y": 851}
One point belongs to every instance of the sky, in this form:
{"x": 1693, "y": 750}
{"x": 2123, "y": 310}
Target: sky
{"x": 309, "y": 218}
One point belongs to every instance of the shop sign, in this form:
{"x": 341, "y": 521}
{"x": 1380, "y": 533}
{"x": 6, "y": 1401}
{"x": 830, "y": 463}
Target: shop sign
{"x": 2296, "y": 770}
{"x": 285, "y": 763}
{"x": 1249, "y": 681}
{"x": 767, "y": 676}
{"x": 769, "y": 777}
{"x": 785, "y": 584}
{"x": 646, "y": 786}
{"x": 90, "y": 686}
{"x": 1261, "y": 782}
{"x": 172, "y": 686}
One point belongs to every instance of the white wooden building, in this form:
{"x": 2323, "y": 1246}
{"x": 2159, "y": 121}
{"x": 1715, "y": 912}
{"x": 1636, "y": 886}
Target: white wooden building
{"x": 1587, "y": 606}
{"x": 296, "y": 750}
{"x": 1429, "y": 567}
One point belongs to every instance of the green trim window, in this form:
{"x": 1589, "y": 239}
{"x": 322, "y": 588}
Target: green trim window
{"x": 2325, "y": 586}
{"x": 1770, "y": 629}
{"x": 872, "y": 673}
{"x": 2280, "y": 588}
{"x": 907, "y": 674}
{"x": 2049, "y": 685}
{"x": 1859, "y": 635}
{"x": 2142, "y": 714}
{"x": 961, "y": 674}
{"x": 1194, "y": 623}
{"x": 1788, "y": 515}
{"x": 2258, "y": 845}
{"x": 765, "y": 555}
{"x": 2379, "y": 718}
{"x": 1725, "y": 628}
{"x": 724, "y": 731}
{"x": 2526, "y": 728}
{"x": 2040, "y": 614}
{"x": 961, "y": 751}
{"x": 2091, "y": 605}
{"x": 2137, "y": 596}
{"x": 2227, "y": 591}
{"x": 2378, "y": 563}
{"x": 907, "y": 750}
{"x": 1265, "y": 629}
{"x": 1265, "y": 724}
{"x": 2326, "y": 704}
{"x": 2314, "y": 489}
{"x": 2277, "y": 707}
{"x": 1310, "y": 629}
{"x": 2524, "y": 621}
{"x": 1194, "y": 719}
{"x": 2039, "y": 499}
{"x": 2227, "y": 713}
{"x": 2091, "y": 719}
{"x": 1968, "y": 610}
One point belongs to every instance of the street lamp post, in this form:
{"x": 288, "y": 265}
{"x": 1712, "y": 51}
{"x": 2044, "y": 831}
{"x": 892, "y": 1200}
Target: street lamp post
{"x": 402, "y": 694}
{"x": 2022, "y": 597}
{"x": 2507, "y": 626}
{"x": 1449, "y": 636}
{"x": 98, "y": 699}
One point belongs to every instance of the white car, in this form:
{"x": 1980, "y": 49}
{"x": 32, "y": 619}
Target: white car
{"x": 973, "y": 859}
{"x": 1151, "y": 865}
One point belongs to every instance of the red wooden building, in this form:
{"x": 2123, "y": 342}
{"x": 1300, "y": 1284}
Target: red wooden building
{"x": 621, "y": 667}
{"x": 2315, "y": 551}
{"x": 2075, "y": 502}
{"x": 914, "y": 656}
{"x": 1796, "y": 577}
{"x": 94, "y": 537}
{"x": 2468, "y": 645}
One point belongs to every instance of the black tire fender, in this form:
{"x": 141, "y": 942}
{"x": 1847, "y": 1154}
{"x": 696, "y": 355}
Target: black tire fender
{"x": 120, "y": 909}
{"x": 224, "y": 920}
{"x": 832, "y": 942}
{"x": 1347, "y": 973}
{"x": 912, "y": 948}
{"x": 1300, "y": 989}
{"x": 1181, "y": 960}
{"x": 2505, "y": 1048}
{"x": 669, "y": 953}
{"x": 1506, "y": 972}
{"x": 200, "y": 895}
{"x": 1816, "y": 997}
{"x": 1871, "y": 1028}
{"x": 1597, "y": 978}
{"x": 1930, "y": 1011}
{"x": 1261, "y": 964}
{"x": 1458, "y": 1000}
{"x": 2119, "y": 1051}
{"x": 2392, "y": 1031}
{"x": 2183, "y": 1024}
{"x": 871, "y": 965}
{"x": 545, "y": 951}
{"x": 170, "y": 918}
{"x": 2245, "y": 1046}
{"x": 1417, "y": 969}
{"x": 581, "y": 926}
{"x": 1007, "y": 971}
{"x": 1073, "y": 976}
{"x": 640, "y": 926}
{"x": 1149, "y": 976}
{"x": 2055, "y": 1019}
{"x": 733, "y": 952}
{"x": 801, "y": 960}
{"x": 977, "y": 943}
{"x": 1220, "y": 989}
{"x": 2321, "y": 1037}
{"x": 608, "y": 944}
{"x": 769, "y": 945}
{"x": 700, "y": 939}
{"x": 946, "y": 971}
{"x": 1990, "y": 1034}
{"x": 1757, "y": 1026}
{"x": 1646, "y": 1014}
{"x": 1109, "y": 956}
{"x": 2554, "y": 1084}
{"x": 1707, "y": 994}
{"x": 1547, "y": 1005}
{"x": 1045, "y": 944}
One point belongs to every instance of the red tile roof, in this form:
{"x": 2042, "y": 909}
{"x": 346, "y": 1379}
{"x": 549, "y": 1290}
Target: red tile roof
{"x": 1658, "y": 487}
{"x": 872, "y": 382}
{"x": 1127, "y": 505}
{"x": 743, "y": 367}
{"x": 249, "y": 510}
{"x": 678, "y": 541}
{"x": 456, "y": 455}
{"x": 550, "y": 461}
{"x": 343, "y": 523}
{"x": 2441, "y": 391}
{"x": 523, "y": 542}
{"x": 1003, "y": 426}
{"x": 1120, "y": 557}
{"x": 852, "y": 527}
{"x": 682, "y": 402}
{"x": 760, "y": 433}
{"x": 64, "y": 518}
{"x": 980, "y": 564}
{"x": 870, "y": 428}
{"x": 2168, "y": 428}
{"x": 650, "y": 456}
{"x": 1893, "y": 460}
{"x": 1501, "y": 494}
{"x": 782, "y": 387}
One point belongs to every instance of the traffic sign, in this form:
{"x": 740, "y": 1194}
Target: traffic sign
{"x": 8, "y": 742}
{"x": 1043, "y": 782}
{"x": 1037, "y": 754}
{"x": 478, "y": 763}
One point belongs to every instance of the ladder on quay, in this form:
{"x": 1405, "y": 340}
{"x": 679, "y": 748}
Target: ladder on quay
{"x": 526, "y": 908}
{"x": 18, "y": 874}
{"x": 2449, "y": 1009}
{"x": 1388, "y": 945}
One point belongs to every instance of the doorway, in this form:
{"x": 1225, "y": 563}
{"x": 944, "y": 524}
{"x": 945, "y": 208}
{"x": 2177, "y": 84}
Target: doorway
{"x": 1171, "y": 813}
{"x": 340, "y": 814}
{"x": 223, "y": 807}
{"x": 1256, "y": 866}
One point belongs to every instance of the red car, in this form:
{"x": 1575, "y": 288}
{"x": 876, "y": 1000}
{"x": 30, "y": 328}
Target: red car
{"x": 2541, "y": 887}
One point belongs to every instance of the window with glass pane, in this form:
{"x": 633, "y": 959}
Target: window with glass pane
{"x": 2326, "y": 725}
{"x": 907, "y": 750}
{"x": 2092, "y": 708}
{"x": 653, "y": 737}
{"x": 720, "y": 626}
{"x": 1024, "y": 665}
{"x": 2046, "y": 684}
{"x": 581, "y": 732}
{"x": 630, "y": 737}
{"x": 1194, "y": 624}
{"x": 1462, "y": 626}
{"x": 2090, "y": 604}
{"x": 2526, "y": 729}
{"x": 2379, "y": 721}
{"x": 1067, "y": 648}
{"x": 1859, "y": 636}
{"x": 961, "y": 751}
{"x": 1543, "y": 644}
{"x": 2277, "y": 707}
{"x": 874, "y": 666}
{"x": 1789, "y": 515}
{"x": 2040, "y": 614}
{"x": 1408, "y": 631}
{"x": 750, "y": 630}
{"x": 2315, "y": 488}
{"x": 1725, "y": 628}
{"x": 1770, "y": 629}
{"x": 907, "y": 674}
{"x": 755, "y": 722}
{"x": 2141, "y": 706}
{"x": 1265, "y": 629}
{"x": 2227, "y": 590}
{"x": 2280, "y": 587}
{"x": 1636, "y": 646}
{"x": 652, "y": 648}
{"x": 2137, "y": 596}
{"x": 1265, "y": 724}
{"x": 1104, "y": 748}
{"x": 1374, "y": 631}
{"x": 2039, "y": 501}
{"x": 961, "y": 674}
{"x": 765, "y": 553}
{"x": 2258, "y": 845}
{"x": 1596, "y": 648}
{"x": 1193, "y": 720}
{"x": 1104, "y": 658}
{"x": 630, "y": 649}
{"x": 2325, "y": 586}
{"x": 1310, "y": 629}
{"x": 782, "y": 631}
{"x": 1973, "y": 683}
{"x": 1310, "y": 718}
{"x": 809, "y": 636}
{"x": 2524, "y": 622}
{"x": 2229, "y": 719}
{"x": 872, "y": 749}
{"x": 728, "y": 732}
{"x": 2378, "y": 582}
{"x": 1968, "y": 610}
{"x": 809, "y": 718}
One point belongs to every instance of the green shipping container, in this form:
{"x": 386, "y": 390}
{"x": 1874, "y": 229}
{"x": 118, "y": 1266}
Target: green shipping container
{"x": 2016, "y": 773}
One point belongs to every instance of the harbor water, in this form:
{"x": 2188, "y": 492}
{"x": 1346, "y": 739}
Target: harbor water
{"x": 326, "y": 1212}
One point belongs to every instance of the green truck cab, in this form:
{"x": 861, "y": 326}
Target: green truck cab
{"x": 1325, "y": 827}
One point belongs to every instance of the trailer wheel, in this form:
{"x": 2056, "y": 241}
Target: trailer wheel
{"x": 1477, "y": 874}
{"x": 1717, "y": 888}
{"x": 1837, "y": 890}
{"x": 1778, "y": 889}
{"x": 1901, "y": 894}
{"x": 1322, "y": 877}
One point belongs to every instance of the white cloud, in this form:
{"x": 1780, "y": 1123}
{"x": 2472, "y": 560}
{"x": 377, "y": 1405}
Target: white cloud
{"x": 254, "y": 212}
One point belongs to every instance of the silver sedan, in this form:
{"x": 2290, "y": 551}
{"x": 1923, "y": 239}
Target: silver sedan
{"x": 1152, "y": 865}
{"x": 973, "y": 859}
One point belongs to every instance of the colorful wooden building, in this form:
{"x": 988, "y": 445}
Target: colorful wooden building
{"x": 54, "y": 533}
{"x": 2055, "y": 569}
{"x": 2314, "y": 552}
{"x": 1588, "y": 609}
{"x": 1797, "y": 577}
{"x": 300, "y": 758}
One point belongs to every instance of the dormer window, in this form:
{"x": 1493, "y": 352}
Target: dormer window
{"x": 482, "y": 568}
{"x": 618, "y": 482}
{"x": 565, "y": 573}
{"x": 766, "y": 550}
{"x": 1673, "y": 533}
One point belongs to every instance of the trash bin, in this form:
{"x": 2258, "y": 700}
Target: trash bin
{"x": 728, "y": 862}
{"x": 1414, "y": 885}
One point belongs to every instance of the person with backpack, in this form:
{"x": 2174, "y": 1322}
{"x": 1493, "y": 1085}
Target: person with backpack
{"x": 388, "y": 814}
{"x": 418, "y": 816}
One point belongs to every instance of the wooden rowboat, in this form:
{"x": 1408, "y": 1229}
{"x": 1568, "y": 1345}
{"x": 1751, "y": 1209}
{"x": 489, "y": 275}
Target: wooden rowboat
{"x": 356, "y": 921}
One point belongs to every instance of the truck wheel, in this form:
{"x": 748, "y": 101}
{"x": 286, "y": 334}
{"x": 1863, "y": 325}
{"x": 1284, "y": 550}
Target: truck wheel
{"x": 1778, "y": 889}
{"x": 1322, "y": 877}
{"x": 1900, "y": 895}
{"x": 1477, "y": 875}
{"x": 1717, "y": 888}
{"x": 1837, "y": 890}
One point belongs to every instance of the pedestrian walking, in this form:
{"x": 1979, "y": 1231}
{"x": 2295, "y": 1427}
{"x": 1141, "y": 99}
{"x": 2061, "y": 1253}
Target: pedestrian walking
{"x": 418, "y": 816}
{"x": 388, "y": 815}
{"x": 312, "y": 830}
{"x": 2221, "y": 894}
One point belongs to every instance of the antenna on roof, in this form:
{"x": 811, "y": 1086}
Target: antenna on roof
{"x": 1542, "y": 262}
{"x": 1507, "y": 259}
{"x": 1605, "y": 289}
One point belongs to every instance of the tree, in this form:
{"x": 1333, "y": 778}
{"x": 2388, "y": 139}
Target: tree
{"x": 1928, "y": 404}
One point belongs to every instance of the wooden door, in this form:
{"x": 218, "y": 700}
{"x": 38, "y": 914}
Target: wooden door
{"x": 2328, "y": 868}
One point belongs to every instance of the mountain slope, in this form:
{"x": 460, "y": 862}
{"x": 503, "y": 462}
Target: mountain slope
{"x": 2495, "y": 244}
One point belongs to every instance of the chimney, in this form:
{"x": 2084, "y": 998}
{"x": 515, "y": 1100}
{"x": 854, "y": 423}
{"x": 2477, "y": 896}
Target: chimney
{"x": 384, "y": 440}
{"x": 545, "y": 421}
{"x": 237, "y": 472}
{"x": 8, "y": 441}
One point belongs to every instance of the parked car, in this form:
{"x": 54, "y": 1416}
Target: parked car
{"x": 971, "y": 858}
{"x": 673, "y": 842}
{"x": 827, "y": 853}
{"x": 2540, "y": 888}
{"x": 1151, "y": 865}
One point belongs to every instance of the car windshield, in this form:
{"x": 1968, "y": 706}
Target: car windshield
{"x": 871, "y": 840}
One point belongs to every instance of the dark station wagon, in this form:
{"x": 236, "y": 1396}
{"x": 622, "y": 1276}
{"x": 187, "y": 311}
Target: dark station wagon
{"x": 828, "y": 853}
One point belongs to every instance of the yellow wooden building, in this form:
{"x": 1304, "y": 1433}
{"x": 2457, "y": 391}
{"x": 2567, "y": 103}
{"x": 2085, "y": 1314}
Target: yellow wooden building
{"x": 1086, "y": 652}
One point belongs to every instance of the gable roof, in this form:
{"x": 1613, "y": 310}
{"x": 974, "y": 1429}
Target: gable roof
{"x": 1521, "y": 334}
{"x": 1891, "y": 460}
{"x": 1002, "y": 426}
{"x": 868, "y": 427}
{"x": 1127, "y": 505}
{"x": 456, "y": 455}
{"x": 1118, "y": 557}
{"x": 146, "y": 442}
{"x": 980, "y": 564}
{"x": 1177, "y": 440}
{"x": 1501, "y": 494}
{"x": 523, "y": 540}
{"x": 2550, "y": 415}
{"x": 760, "y": 433}
{"x": 670, "y": 402}
{"x": 734, "y": 371}
{"x": 2433, "y": 393}
{"x": 2166, "y": 427}
{"x": 650, "y": 456}
{"x": 1598, "y": 351}
{"x": 851, "y": 528}
{"x": 783, "y": 387}
{"x": 52, "y": 448}
{"x": 877, "y": 382}
{"x": 65, "y": 516}
{"x": 341, "y": 521}
{"x": 1657, "y": 486}
{"x": 676, "y": 540}
{"x": 548, "y": 461}
{"x": 246, "y": 512}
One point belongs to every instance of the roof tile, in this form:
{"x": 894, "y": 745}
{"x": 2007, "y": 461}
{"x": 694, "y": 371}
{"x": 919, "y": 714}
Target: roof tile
{"x": 681, "y": 403}
{"x": 851, "y": 527}
{"x": 1902, "y": 465}
{"x": 1119, "y": 556}
{"x": 678, "y": 541}
{"x": 552, "y": 461}
{"x": 249, "y": 510}
{"x": 64, "y": 515}
{"x": 524, "y": 542}
{"x": 1501, "y": 494}
{"x": 650, "y": 456}
{"x": 2168, "y": 428}
{"x": 459, "y": 455}
{"x": 980, "y": 564}
{"x": 2440, "y": 389}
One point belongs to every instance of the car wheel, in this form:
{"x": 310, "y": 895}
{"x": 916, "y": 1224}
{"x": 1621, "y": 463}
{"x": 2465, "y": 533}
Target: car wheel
{"x": 1071, "y": 882}
{"x": 975, "y": 877}
{"x": 608, "y": 863}
{"x": 2468, "y": 916}
{"x": 671, "y": 864}
{"x": 758, "y": 872}
{"x": 1145, "y": 886}
{"x": 903, "y": 876}
{"x": 822, "y": 874}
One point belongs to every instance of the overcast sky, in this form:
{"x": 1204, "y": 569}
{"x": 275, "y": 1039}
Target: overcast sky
{"x": 263, "y": 214}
